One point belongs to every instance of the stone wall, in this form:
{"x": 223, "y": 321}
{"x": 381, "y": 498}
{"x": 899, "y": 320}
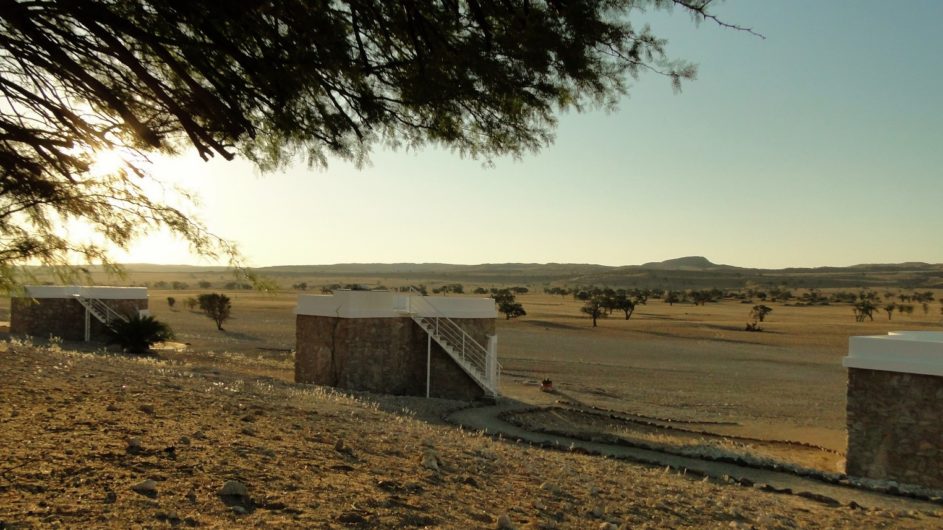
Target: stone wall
{"x": 895, "y": 430}
{"x": 384, "y": 355}
{"x": 62, "y": 317}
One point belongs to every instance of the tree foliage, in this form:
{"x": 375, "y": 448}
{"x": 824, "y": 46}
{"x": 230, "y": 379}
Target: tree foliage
{"x": 594, "y": 308}
{"x": 217, "y": 307}
{"x": 138, "y": 333}
{"x": 274, "y": 80}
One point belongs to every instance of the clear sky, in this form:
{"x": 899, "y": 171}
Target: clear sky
{"x": 819, "y": 145}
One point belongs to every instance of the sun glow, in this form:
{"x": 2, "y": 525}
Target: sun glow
{"x": 107, "y": 162}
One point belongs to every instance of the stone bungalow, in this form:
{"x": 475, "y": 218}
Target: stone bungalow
{"x": 73, "y": 312}
{"x": 895, "y": 406}
{"x": 396, "y": 343}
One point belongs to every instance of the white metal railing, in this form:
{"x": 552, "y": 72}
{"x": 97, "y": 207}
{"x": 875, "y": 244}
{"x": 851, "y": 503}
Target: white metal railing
{"x": 102, "y": 311}
{"x": 465, "y": 349}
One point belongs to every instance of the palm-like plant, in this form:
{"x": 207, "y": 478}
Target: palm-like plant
{"x": 139, "y": 333}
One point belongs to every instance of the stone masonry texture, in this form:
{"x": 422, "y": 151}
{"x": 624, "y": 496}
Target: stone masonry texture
{"x": 62, "y": 317}
{"x": 895, "y": 430}
{"x": 384, "y": 355}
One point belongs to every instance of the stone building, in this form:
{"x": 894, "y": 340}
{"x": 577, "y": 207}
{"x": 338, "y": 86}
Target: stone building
{"x": 73, "y": 312}
{"x": 395, "y": 343}
{"x": 895, "y": 406}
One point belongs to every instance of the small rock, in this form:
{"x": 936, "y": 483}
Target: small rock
{"x": 551, "y": 487}
{"x": 238, "y": 509}
{"x": 351, "y": 518}
{"x": 134, "y": 446}
{"x": 598, "y": 511}
{"x": 504, "y": 523}
{"x": 148, "y": 488}
{"x": 170, "y": 517}
{"x": 184, "y": 440}
{"x": 608, "y": 526}
{"x": 198, "y": 435}
{"x": 110, "y": 497}
{"x": 234, "y": 488}
{"x": 146, "y": 409}
{"x": 430, "y": 461}
{"x": 112, "y": 408}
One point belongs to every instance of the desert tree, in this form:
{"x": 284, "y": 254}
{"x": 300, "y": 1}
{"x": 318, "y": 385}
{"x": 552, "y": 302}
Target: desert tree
{"x": 889, "y": 308}
{"x": 864, "y": 309}
{"x": 508, "y": 304}
{"x": 758, "y": 314}
{"x": 623, "y": 303}
{"x": 171, "y": 301}
{"x": 275, "y": 81}
{"x": 672, "y": 297}
{"x": 217, "y": 307}
{"x": 512, "y": 309}
{"x": 594, "y": 307}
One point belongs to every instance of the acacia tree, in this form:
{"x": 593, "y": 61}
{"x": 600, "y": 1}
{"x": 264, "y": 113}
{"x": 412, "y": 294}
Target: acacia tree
{"x": 625, "y": 304}
{"x": 595, "y": 308}
{"x": 217, "y": 307}
{"x": 864, "y": 309}
{"x": 889, "y": 308}
{"x": 508, "y": 304}
{"x": 275, "y": 80}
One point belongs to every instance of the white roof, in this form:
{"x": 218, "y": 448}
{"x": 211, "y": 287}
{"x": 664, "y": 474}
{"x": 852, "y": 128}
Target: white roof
{"x": 912, "y": 352}
{"x": 385, "y": 304}
{"x": 70, "y": 291}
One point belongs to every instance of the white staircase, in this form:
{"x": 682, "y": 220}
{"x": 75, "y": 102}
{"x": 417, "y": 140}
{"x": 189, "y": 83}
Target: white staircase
{"x": 479, "y": 362}
{"x": 100, "y": 310}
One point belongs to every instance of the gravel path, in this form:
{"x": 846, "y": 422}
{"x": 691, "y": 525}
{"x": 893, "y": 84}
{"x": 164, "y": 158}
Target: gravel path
{"x": 488, "y": 419}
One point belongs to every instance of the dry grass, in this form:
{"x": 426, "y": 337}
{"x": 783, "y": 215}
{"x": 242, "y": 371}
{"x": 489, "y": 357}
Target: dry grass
{"x": 68, "y": 421}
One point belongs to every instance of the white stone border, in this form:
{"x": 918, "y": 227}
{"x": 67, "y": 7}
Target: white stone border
{"x": 911, "y": 352}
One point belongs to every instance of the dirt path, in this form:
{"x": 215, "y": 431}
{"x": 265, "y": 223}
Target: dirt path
{"x": 488, "y": 419}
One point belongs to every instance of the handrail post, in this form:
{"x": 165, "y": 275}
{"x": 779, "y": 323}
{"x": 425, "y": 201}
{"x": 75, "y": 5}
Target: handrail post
{"x": 491, "y": 362}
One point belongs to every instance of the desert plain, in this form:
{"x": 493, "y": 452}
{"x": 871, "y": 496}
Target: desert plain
{"x": 83, "y": 428}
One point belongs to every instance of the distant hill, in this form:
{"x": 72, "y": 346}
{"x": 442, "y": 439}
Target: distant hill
{"x": 689, "y": 272}
{"x": 693, "y": 263}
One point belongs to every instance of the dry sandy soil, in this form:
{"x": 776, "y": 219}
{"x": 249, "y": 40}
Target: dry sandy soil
{"x": 225, "y": 409}
{"x": 82, "y": 431}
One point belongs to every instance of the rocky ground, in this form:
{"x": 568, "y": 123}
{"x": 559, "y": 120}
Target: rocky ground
{"x": 93, "y": 440}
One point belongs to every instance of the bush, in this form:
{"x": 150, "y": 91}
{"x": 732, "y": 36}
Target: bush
{"x": 217, "y": 307}
{"x": 139, "y": 333}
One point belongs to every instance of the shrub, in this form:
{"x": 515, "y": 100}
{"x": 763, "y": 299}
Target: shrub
{"x": 139, "y": 333}
{"x": 217, "y": 307}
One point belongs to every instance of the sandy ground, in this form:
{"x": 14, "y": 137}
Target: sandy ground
{"x": 82, "y": 431}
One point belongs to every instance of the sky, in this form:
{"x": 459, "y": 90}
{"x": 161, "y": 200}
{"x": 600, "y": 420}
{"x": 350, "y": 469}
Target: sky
{"x": 821, "y": 144}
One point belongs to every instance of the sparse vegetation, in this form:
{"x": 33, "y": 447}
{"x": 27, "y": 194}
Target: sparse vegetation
{"x": 595, "y": 308}
{"x": 139, "y": 333}
{"x": 217, "y": 307}
{"x": 758, "y": 314}
{"x": 507, "y": 304}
